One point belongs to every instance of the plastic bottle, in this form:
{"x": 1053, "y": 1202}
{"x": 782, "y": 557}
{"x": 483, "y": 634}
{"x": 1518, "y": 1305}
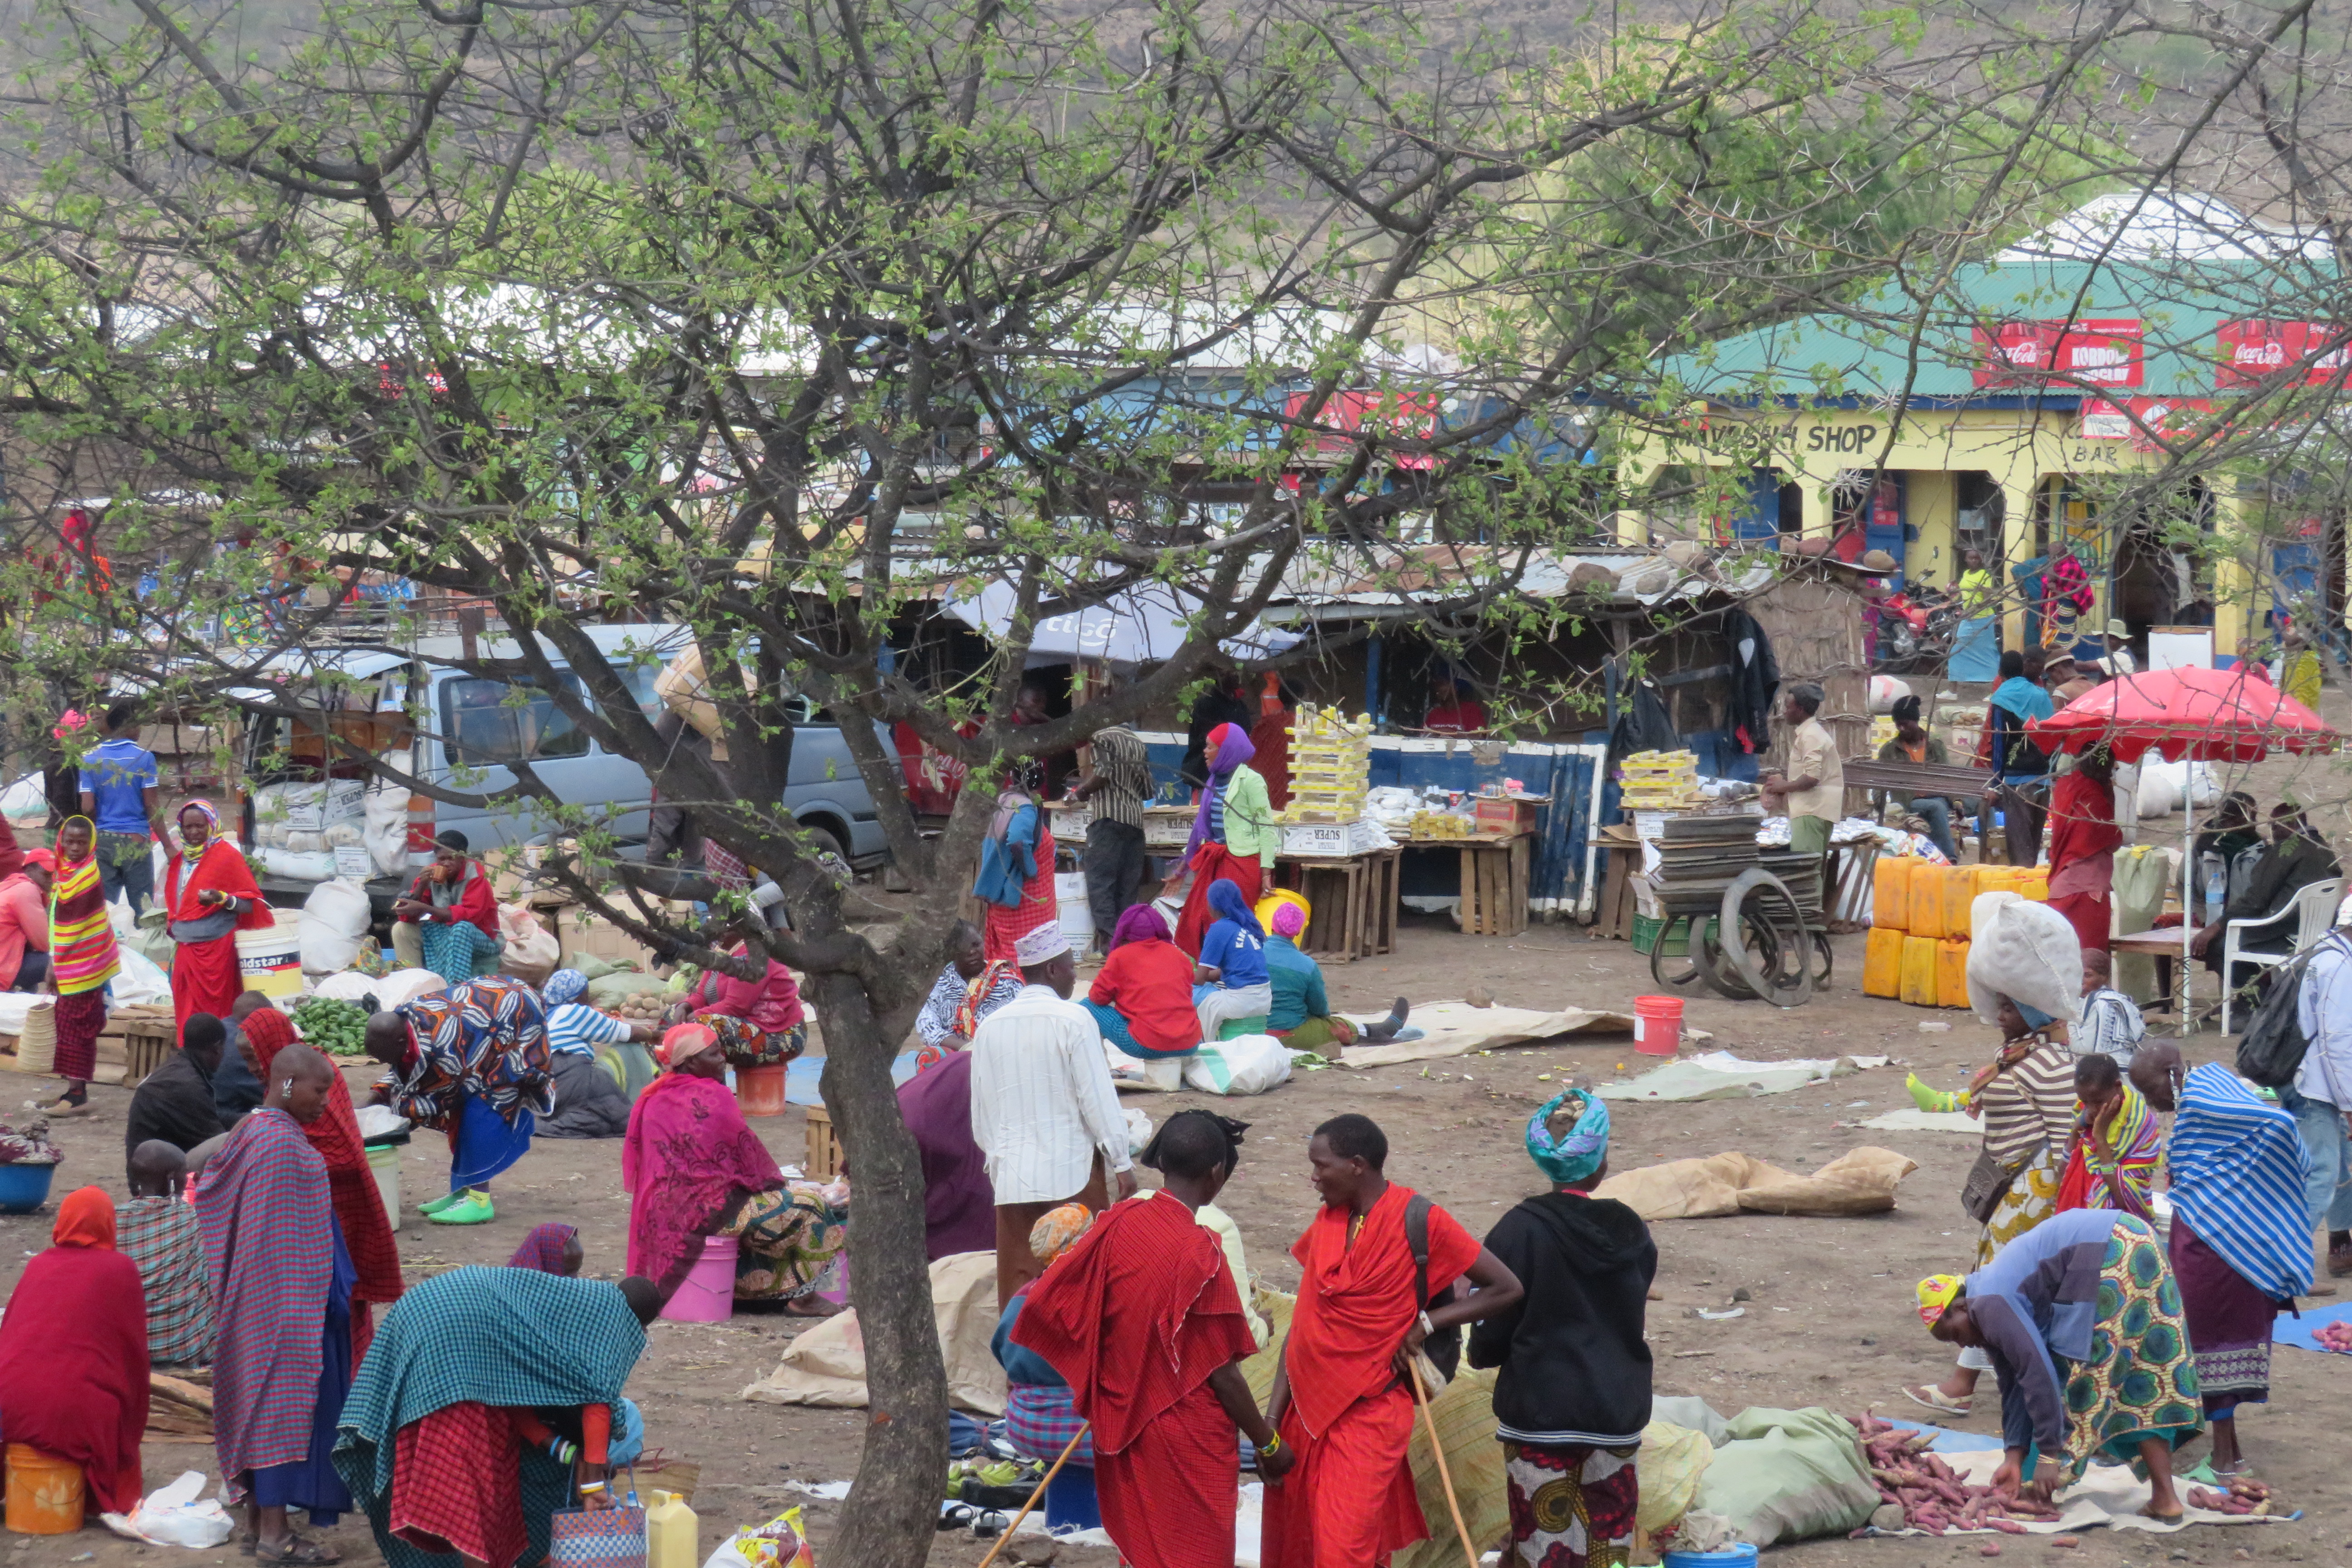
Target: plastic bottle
{"x": 2217, "y": 884}
{"x": 671, "y": 1538}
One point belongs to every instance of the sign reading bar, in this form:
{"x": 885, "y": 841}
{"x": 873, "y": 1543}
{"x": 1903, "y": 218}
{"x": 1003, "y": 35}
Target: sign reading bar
{"x": 2253, "y": 352}
{"x": 2104, "y": 353}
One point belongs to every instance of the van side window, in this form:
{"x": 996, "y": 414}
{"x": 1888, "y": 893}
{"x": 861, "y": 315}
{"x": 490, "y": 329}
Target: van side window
{"x": 485, "y": 725}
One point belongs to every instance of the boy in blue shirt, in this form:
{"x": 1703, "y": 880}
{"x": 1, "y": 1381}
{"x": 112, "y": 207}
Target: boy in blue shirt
{"x": 119, "y": 795}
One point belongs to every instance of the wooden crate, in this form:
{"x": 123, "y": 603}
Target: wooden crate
{"x": 823, "y": 1160}
{"x": 1354, "y": 901}
{"x": 1494, "y": 886}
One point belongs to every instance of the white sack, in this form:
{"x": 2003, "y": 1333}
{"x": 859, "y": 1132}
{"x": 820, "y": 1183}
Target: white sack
{"x": 334, "y": 925}
{"x": 1250, "y": 1063}
{"x": 2026, "y": 951}
{"x": 386, "y": 832}
{"x": 1885, "y": 692}
{"x": 29, "y": 796}
{"x": 141, "y": 980}
{"x": 400, "y": 987}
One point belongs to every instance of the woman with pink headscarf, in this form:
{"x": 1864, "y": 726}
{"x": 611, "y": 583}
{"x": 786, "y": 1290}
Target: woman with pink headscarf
{"x": 1142, "y": 997}
{"x": 1234, "y": 837}
{"x": 1301, "y": 1017}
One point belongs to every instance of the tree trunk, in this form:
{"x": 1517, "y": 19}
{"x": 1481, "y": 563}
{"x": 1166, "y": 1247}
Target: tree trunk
{"x": 892, "y": 1511}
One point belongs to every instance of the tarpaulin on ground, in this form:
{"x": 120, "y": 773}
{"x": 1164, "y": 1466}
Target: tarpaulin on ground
{"x": 1860, "y": 1181}
{"x": 826, "y": 1365}
{"x": 1452, "y": 1028}
{"x": 1719, "y": 1075}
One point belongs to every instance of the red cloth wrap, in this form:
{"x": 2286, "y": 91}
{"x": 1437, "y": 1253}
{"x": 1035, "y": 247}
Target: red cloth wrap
{"x": 204, "y": 974}
{"x": 1136, "y": 1317}
{"x": 359, "y": 1204}
{"x": 688, "y": 1153}
{"x": 455, "y": 1485}
{"x": 1348, "y": 1501}
{"x": 1038, "y": 906}
{"x": 73, "y": 1367}
{"x": 1211, "y": 864}
{"x": 475, "y": 900}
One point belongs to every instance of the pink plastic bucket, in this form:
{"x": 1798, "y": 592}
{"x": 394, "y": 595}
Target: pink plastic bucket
{"x": 708, "y": 1293}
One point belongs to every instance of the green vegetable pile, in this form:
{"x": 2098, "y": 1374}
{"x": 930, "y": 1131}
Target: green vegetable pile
{"x": 339, "y": 1028}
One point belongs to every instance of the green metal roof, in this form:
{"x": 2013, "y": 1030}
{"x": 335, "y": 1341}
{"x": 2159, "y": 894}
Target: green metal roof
{"x": 1887, "y": 344}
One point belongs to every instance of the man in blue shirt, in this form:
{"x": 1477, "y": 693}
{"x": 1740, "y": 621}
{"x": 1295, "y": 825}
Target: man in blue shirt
{"x": 119, "y": 795}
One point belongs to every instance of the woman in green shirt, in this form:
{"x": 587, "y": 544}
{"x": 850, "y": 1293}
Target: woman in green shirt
{"x": 1301, "y": 1017}
{"x": 1234, "y": 835}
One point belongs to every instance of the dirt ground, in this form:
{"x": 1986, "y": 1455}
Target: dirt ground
{"x": 1828, "y": 1321}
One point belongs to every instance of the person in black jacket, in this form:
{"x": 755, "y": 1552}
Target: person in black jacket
{"x": 1223, "y": 703}
{"x": 173, "y": 1104}
{"x": 1573, "y": 1392}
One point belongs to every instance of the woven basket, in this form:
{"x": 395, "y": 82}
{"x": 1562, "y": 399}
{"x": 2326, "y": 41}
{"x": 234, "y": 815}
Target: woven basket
{"x": 36, "y": 1047}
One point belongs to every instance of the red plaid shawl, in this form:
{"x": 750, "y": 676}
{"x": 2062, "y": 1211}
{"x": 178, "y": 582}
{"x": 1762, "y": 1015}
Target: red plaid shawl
{"x": 269, "y": 1243}
{"x": 359, "y": 1206}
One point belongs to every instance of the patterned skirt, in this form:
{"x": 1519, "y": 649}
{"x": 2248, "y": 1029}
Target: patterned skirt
{"x": 2030, "y": 1199}
{"x": 2140, "y": 1379}
{"x": 2229, "y": 1322}
{"x": 1040, "y": 1421}
{"x": 746, "y": 1044}
{"x": 1571, "y": 1505}
{"x": 788, "y": 1235}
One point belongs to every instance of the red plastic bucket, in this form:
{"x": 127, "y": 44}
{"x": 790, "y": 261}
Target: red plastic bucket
{"x": 1657, "y": 1024}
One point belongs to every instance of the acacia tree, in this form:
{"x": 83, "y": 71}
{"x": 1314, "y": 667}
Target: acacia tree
{"x": 776, "y": 323}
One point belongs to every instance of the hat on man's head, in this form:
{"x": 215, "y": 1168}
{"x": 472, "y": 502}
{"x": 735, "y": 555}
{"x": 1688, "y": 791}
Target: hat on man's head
{"x": 1036, "y": 949}
{"x": 2115, "y": 628}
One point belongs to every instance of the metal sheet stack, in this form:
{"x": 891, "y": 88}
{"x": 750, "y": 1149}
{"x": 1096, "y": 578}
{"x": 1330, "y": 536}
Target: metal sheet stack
{"x": 1698, "y": 857}
{"x": 1800, "y": 874}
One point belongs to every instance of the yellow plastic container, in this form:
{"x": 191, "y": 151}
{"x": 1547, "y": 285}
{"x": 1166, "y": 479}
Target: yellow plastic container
{"x": 1927, "y": 902}
{"x": 2035, "y": 884}
{"x": 44, "y": 1492}
{"x": 1952, "y": 971}
{"x": 1919, "y": 981}
{"x": 1882, "y": 962}
{"x": 671, "y": 1538}
{"x": 1275, "y": 901}
{"x": 1890, "y": 888}
{"x": 1959, "y": 890}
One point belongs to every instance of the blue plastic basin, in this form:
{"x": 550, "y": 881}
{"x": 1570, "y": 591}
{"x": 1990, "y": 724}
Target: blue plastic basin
{"x": 23, "y": 1188}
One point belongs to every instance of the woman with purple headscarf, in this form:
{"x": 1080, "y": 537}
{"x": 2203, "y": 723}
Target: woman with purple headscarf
{"x": 1234, "y": 835}
{"x": 1142, "y": 998}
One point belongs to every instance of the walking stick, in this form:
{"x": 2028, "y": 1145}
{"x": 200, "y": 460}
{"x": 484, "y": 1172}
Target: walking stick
{"x": 1443, "y": 1475}
{"x": 1071, "y": 1447}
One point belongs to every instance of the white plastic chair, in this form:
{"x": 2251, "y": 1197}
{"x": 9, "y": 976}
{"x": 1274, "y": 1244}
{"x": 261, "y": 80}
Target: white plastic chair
{"x": 2313, "y": 911}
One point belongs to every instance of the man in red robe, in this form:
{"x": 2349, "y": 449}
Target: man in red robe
{"x": 1143, "y": 1318}
{"x": 1344, "y": 1395}
{"x": 2083, "y": 840}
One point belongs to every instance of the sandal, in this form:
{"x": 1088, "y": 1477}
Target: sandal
{"x": 1936, "y": 1399}
{"x": 298, "y": 1549}
{"x": 956, "y": 1516}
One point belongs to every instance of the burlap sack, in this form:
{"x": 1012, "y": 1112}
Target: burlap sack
{"x": 1861, "y": 1181}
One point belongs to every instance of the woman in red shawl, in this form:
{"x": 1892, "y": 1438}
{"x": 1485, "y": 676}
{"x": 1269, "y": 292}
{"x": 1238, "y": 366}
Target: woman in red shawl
{"x": 2083, "y": 840}
{"x": 694, "y": 1168}
{"x": 73, "y": 1354}
{"x": 210, "y": 895}
{"x": 359, "y": 1204}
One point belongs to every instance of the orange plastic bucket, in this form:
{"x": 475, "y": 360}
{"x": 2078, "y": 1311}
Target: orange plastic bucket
{"x": 44, "y": 1492}
{"x": 1657, "y": 1024}
{"x": 761, "y": 1090}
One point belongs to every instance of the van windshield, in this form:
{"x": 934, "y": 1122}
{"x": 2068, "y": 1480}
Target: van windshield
{"x": 490, "y": 722}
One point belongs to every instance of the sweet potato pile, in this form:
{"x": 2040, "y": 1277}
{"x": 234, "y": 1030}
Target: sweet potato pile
{"x": 2245, "y": 1495}
{"x": 1930, "y": 1493}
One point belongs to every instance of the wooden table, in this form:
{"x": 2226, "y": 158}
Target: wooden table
{"x": 1354, "y": 900}
{"x": 1495, "y": 872}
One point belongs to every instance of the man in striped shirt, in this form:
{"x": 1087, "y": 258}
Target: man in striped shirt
{"x": 1117, "y": 784}
{"x": 1043, "y": 1110}
{"x": 160, "y": 1234}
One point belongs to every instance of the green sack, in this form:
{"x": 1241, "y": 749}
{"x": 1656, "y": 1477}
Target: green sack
{"x": 612, "y": 990}
{"x": 1789, "y": 1474}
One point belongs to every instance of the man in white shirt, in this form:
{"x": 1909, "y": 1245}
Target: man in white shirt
{"x": 1043, "y": 1110}
{"x": 2320, "y": 1098}
{"x": 2119, "y": 660}
{"x": 1813, "y": 791}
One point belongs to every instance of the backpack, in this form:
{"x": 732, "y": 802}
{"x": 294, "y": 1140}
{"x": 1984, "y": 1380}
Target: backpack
{"x": 2271, "y": 1050}
{"x": 1444, "y": 1348}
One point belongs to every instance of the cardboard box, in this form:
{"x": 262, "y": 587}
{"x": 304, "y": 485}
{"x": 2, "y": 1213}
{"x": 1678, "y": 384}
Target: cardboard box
{"x": 1334, "y": 840}
{"x": 1503, "y": 813}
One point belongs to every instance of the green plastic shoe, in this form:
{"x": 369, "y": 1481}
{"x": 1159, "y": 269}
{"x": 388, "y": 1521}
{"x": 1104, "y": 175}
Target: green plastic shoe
{"x": 435, "y": 1205}
{"x": 475, "y": 1210}
{"x": 1929, "y": 1098}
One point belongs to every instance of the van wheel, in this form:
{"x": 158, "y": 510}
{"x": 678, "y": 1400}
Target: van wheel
{"x": 825, "y": 847}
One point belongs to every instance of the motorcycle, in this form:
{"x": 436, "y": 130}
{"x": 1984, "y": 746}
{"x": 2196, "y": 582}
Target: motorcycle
{"x": 1916, "y": 626}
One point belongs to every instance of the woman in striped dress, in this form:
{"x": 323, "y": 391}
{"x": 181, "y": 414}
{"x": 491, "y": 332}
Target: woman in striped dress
{"x": 2025, "y": 1096}
{"x": 82, "y": 959}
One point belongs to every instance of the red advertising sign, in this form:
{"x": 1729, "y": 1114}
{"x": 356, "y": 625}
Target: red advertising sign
{"x": 2253, "y": 352}
{"x": 2106, "y": 353}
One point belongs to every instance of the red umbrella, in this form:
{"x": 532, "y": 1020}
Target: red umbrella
{"x": 2219, "y": 715}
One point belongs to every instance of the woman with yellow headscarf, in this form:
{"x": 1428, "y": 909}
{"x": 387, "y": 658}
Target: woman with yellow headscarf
{"x": 82, "y": 959}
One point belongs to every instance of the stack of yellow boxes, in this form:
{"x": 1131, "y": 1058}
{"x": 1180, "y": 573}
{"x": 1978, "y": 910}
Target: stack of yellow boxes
{"x": 1331, "y": 766}
{"x": 1660, "y": 781}
{"x": 1918, "y": 949}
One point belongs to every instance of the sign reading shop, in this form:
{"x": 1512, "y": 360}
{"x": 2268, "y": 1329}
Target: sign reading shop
{"x": 2106, "y": 353}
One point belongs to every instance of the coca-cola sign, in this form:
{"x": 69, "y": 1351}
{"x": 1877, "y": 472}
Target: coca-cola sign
{"x": 2253, "y": 352}
{"x": 2106, "y": 353}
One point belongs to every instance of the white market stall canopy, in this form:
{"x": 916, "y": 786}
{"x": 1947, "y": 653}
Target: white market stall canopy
{"x": 1143, "y": 625}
